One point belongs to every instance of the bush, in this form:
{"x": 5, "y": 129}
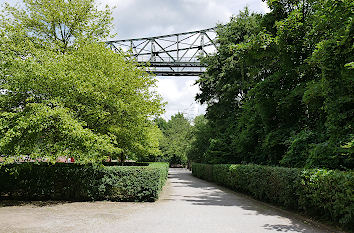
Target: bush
{"x": 30, "y": 181}
{"x": 327, "y": 194}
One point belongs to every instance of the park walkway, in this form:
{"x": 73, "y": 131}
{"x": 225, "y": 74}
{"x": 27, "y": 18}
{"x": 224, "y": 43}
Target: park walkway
{"x": 187, "y": 205}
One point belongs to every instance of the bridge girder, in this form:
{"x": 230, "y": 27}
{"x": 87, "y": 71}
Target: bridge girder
{"x": 170, "y": 55}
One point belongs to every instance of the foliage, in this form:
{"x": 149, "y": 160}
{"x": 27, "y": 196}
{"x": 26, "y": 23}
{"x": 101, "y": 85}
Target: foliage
{"x": 280, "y": 88}
{"x": 162, "y": 169}
{"x": 175, "y": 142}
{"x": 327, "y": 194}
{"x": 298, "y": 150}
{"x": 201, "y": 133}
{"x": 57, "y": 25}
{"x": 63, "y": 93}
{"x": 82, "y": 182}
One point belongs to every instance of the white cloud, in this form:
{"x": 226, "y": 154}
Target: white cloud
{"x": 141, "y": 18}
{"x": 180, "y": 92}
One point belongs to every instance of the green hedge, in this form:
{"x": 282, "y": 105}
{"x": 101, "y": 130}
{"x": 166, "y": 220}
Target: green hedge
{"x": 326, "y": 194}
{"x": 30, "y": 181}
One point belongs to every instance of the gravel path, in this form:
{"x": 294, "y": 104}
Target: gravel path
{"x": 187, "y": 205}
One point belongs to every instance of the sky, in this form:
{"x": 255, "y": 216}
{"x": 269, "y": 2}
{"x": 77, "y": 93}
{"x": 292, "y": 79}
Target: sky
{"x": 144, "y": 18}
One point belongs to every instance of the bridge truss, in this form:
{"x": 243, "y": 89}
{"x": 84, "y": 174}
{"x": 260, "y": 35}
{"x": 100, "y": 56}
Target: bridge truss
{"x": 170, "y": 55}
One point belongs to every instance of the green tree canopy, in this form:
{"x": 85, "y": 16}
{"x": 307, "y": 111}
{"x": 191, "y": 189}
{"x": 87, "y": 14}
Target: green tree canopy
{"x": 57, "y": 24}
{"x": 176, "y": 138}
{"x": 280, "y": 87}
{"x": 63, "y": 93}
{"x": 201, "y": 133}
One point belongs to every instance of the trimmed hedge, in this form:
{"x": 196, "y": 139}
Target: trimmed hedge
{"x": 30, "y": 181}
{"x": 327, "y": 194}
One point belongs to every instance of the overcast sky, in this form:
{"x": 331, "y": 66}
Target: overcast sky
{"x": 143, "y": 18}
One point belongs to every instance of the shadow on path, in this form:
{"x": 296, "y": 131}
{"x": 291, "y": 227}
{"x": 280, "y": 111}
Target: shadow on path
{"x": 205, "y": 193}
{"x": 284, "y": 228}
{"x": 5, "y": 203}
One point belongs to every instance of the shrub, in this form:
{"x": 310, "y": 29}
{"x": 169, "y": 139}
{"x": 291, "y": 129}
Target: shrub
{"x": 82, "y": 182}
{"x": 327, "y": 194}
{"x": 203, "y": 171}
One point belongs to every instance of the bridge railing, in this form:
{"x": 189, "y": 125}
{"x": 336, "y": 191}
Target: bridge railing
{"x": 167, "y": 59}
{"x": 174, "y": 54}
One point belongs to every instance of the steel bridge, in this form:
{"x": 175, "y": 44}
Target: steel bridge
{"x": 170, "y": 55}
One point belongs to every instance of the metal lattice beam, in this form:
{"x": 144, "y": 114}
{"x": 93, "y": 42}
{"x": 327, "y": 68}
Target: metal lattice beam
{"x": 170, "y": 55}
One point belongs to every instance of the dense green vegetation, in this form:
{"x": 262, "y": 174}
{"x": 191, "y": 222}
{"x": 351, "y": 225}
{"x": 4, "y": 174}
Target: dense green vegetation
{"x": 62, "y": 181}
{"x": 64, "y": 94}
{"x": 280, "y": 88}
{"x": 175, "y": 139}
{"x": 327, "y": 194}
{"x": 280, "y": 91}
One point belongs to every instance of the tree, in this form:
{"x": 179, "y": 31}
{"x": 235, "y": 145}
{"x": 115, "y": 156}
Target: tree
{"x": 201, "y": 133}
{"x": 279, "y": 89}
{"x": 57, "y": 25}
{"x": 176, "y": 138}
{"x": 64, "y": 93}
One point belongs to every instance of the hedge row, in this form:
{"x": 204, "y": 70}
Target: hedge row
{"x": 30, "y": 181}
{"x": 327, "y": 194}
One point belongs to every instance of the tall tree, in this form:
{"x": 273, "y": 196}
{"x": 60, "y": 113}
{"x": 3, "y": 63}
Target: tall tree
{"x": 201, "y": 133}
{"x": 57, "y": 24}
{"x": 176, "y": 138}
{"x": 280, "y": 88}
{"x": 64, "y": 93}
